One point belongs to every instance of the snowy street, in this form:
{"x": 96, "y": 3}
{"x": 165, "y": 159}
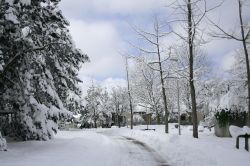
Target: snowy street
{"x": 134, "y": 152}
{"x": 124, "y": 83}
{"x": 125, "y": 147}
{"x": 88, "y": 148}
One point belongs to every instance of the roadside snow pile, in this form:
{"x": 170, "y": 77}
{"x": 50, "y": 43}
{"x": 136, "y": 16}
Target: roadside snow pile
{"x": 3, "y": 144}
{"x": 184, "y": 150}
{"x": 235, "y": 131}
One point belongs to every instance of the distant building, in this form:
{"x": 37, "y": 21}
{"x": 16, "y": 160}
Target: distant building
{"x": 186, "y": 115}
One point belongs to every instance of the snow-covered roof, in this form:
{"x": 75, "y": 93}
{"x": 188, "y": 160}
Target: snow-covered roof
{"x": 77, "y": 116}
{"x": 139, "y": 108}
{"x": 183, "y": 109}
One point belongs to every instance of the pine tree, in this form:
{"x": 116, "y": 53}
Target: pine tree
{"x": 39, "y": 65}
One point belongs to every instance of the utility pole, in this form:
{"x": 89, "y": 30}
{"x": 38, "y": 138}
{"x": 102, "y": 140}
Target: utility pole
{"x": 178, "y": 105}
{"x": 129, "y": 95}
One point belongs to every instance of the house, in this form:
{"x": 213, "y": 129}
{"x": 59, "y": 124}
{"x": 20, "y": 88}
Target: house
{"x": 138, "y": 114}
{"x": 119, "y": 120}
{"x": 186, "y": 115}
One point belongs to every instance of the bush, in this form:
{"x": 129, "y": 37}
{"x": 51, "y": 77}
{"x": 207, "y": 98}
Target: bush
{"x": 227, "y": 116}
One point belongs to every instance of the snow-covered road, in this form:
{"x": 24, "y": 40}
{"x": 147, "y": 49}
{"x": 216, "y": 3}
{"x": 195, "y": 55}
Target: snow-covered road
{"x": 125, "y": 147}
{"x": 134, "y": 152}
{"x": 82, "y": 148}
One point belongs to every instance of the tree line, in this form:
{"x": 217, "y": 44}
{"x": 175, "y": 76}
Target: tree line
{"x": 162, "y": 61}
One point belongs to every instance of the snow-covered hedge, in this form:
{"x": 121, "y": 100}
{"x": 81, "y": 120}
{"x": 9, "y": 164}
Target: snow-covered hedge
{"x": 3, "y": 144}
{"x": 228, "y": 116}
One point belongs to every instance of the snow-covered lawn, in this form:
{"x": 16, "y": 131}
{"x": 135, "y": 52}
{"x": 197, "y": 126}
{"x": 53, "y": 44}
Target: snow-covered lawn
{"x": 68, "y": 148}
{"x": 108, "y": 147}
{"x": 184, "y": 150}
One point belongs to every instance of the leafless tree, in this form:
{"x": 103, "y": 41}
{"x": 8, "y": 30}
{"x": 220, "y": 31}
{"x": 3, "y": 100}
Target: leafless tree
{"x": 145, "y": 82}
{"x": 156, "y": 48}
{"x": 193, "y": 13}
{"x": 243, "y": 38}
{"x": 119, "y": 102}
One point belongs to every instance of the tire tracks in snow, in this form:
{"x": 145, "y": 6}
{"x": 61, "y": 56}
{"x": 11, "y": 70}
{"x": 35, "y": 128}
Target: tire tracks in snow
{"x": 159, "y": 160}
{"x": 136, "y": 148}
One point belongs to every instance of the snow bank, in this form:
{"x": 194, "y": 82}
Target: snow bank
{"x": 3, "y": 144}
{"x": 184, "y": 150}
{"x": 90, "y": 148}
{"x": 235, "y": 131}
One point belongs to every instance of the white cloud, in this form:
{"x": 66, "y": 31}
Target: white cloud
{"x": 124, "y": 7}
{"x": 110, "y": 83}
{"x": 221, "y": 47}
{"x": 100, "y": 41}
{"x": 227, "y": 61}
{"x": 87, "y": 82}
{"x": 107, "y": 83}
{"x": 98, "y": 27}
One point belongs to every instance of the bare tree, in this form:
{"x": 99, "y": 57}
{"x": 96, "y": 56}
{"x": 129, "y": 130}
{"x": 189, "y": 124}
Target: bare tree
{"x": 243, "y": 38}
{"x": 93, "y": 102}
{"x": 119, "y": 102}
{"x": 156, "y": 48}
{"x": 193, "y": 12}
{"x": 145, "y": 82}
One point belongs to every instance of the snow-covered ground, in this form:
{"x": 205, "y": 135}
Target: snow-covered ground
{"x": 125, "y": 147}
{"x": 184, "y": 150}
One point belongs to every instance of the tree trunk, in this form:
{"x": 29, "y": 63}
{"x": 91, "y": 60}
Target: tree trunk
{"x": 161, "y": 76}
{"x": 191, "y": 76}
{"x": 246, "y": 57}
{"x": 163, "y": 90}
{"x": 95, "y": 124}
{"x": 158, "y": 118}
{"x": 119, "y": 122}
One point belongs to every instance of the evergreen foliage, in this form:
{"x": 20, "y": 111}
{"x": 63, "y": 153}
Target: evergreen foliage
{"x": 229, "y": 117}
{"x": 38, "y": 67}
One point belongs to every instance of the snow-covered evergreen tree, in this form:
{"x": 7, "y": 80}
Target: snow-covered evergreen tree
{"x": 38, "y": 67}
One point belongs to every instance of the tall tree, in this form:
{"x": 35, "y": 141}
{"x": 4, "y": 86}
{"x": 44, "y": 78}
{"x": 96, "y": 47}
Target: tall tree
{"x": 191, "y": 71}
{"x": 146, "y": 91}
{"x": 39, "y": 65}
{"x": 243, "y": 37}
{"x": 193, "y": 13}
{"x": 158, "y": 54}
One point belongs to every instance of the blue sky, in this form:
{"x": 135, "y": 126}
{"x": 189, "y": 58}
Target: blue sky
{"x": 100, "y": 27}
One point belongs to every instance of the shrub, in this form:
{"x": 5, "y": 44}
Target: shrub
{"x": 227, "y": 116}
